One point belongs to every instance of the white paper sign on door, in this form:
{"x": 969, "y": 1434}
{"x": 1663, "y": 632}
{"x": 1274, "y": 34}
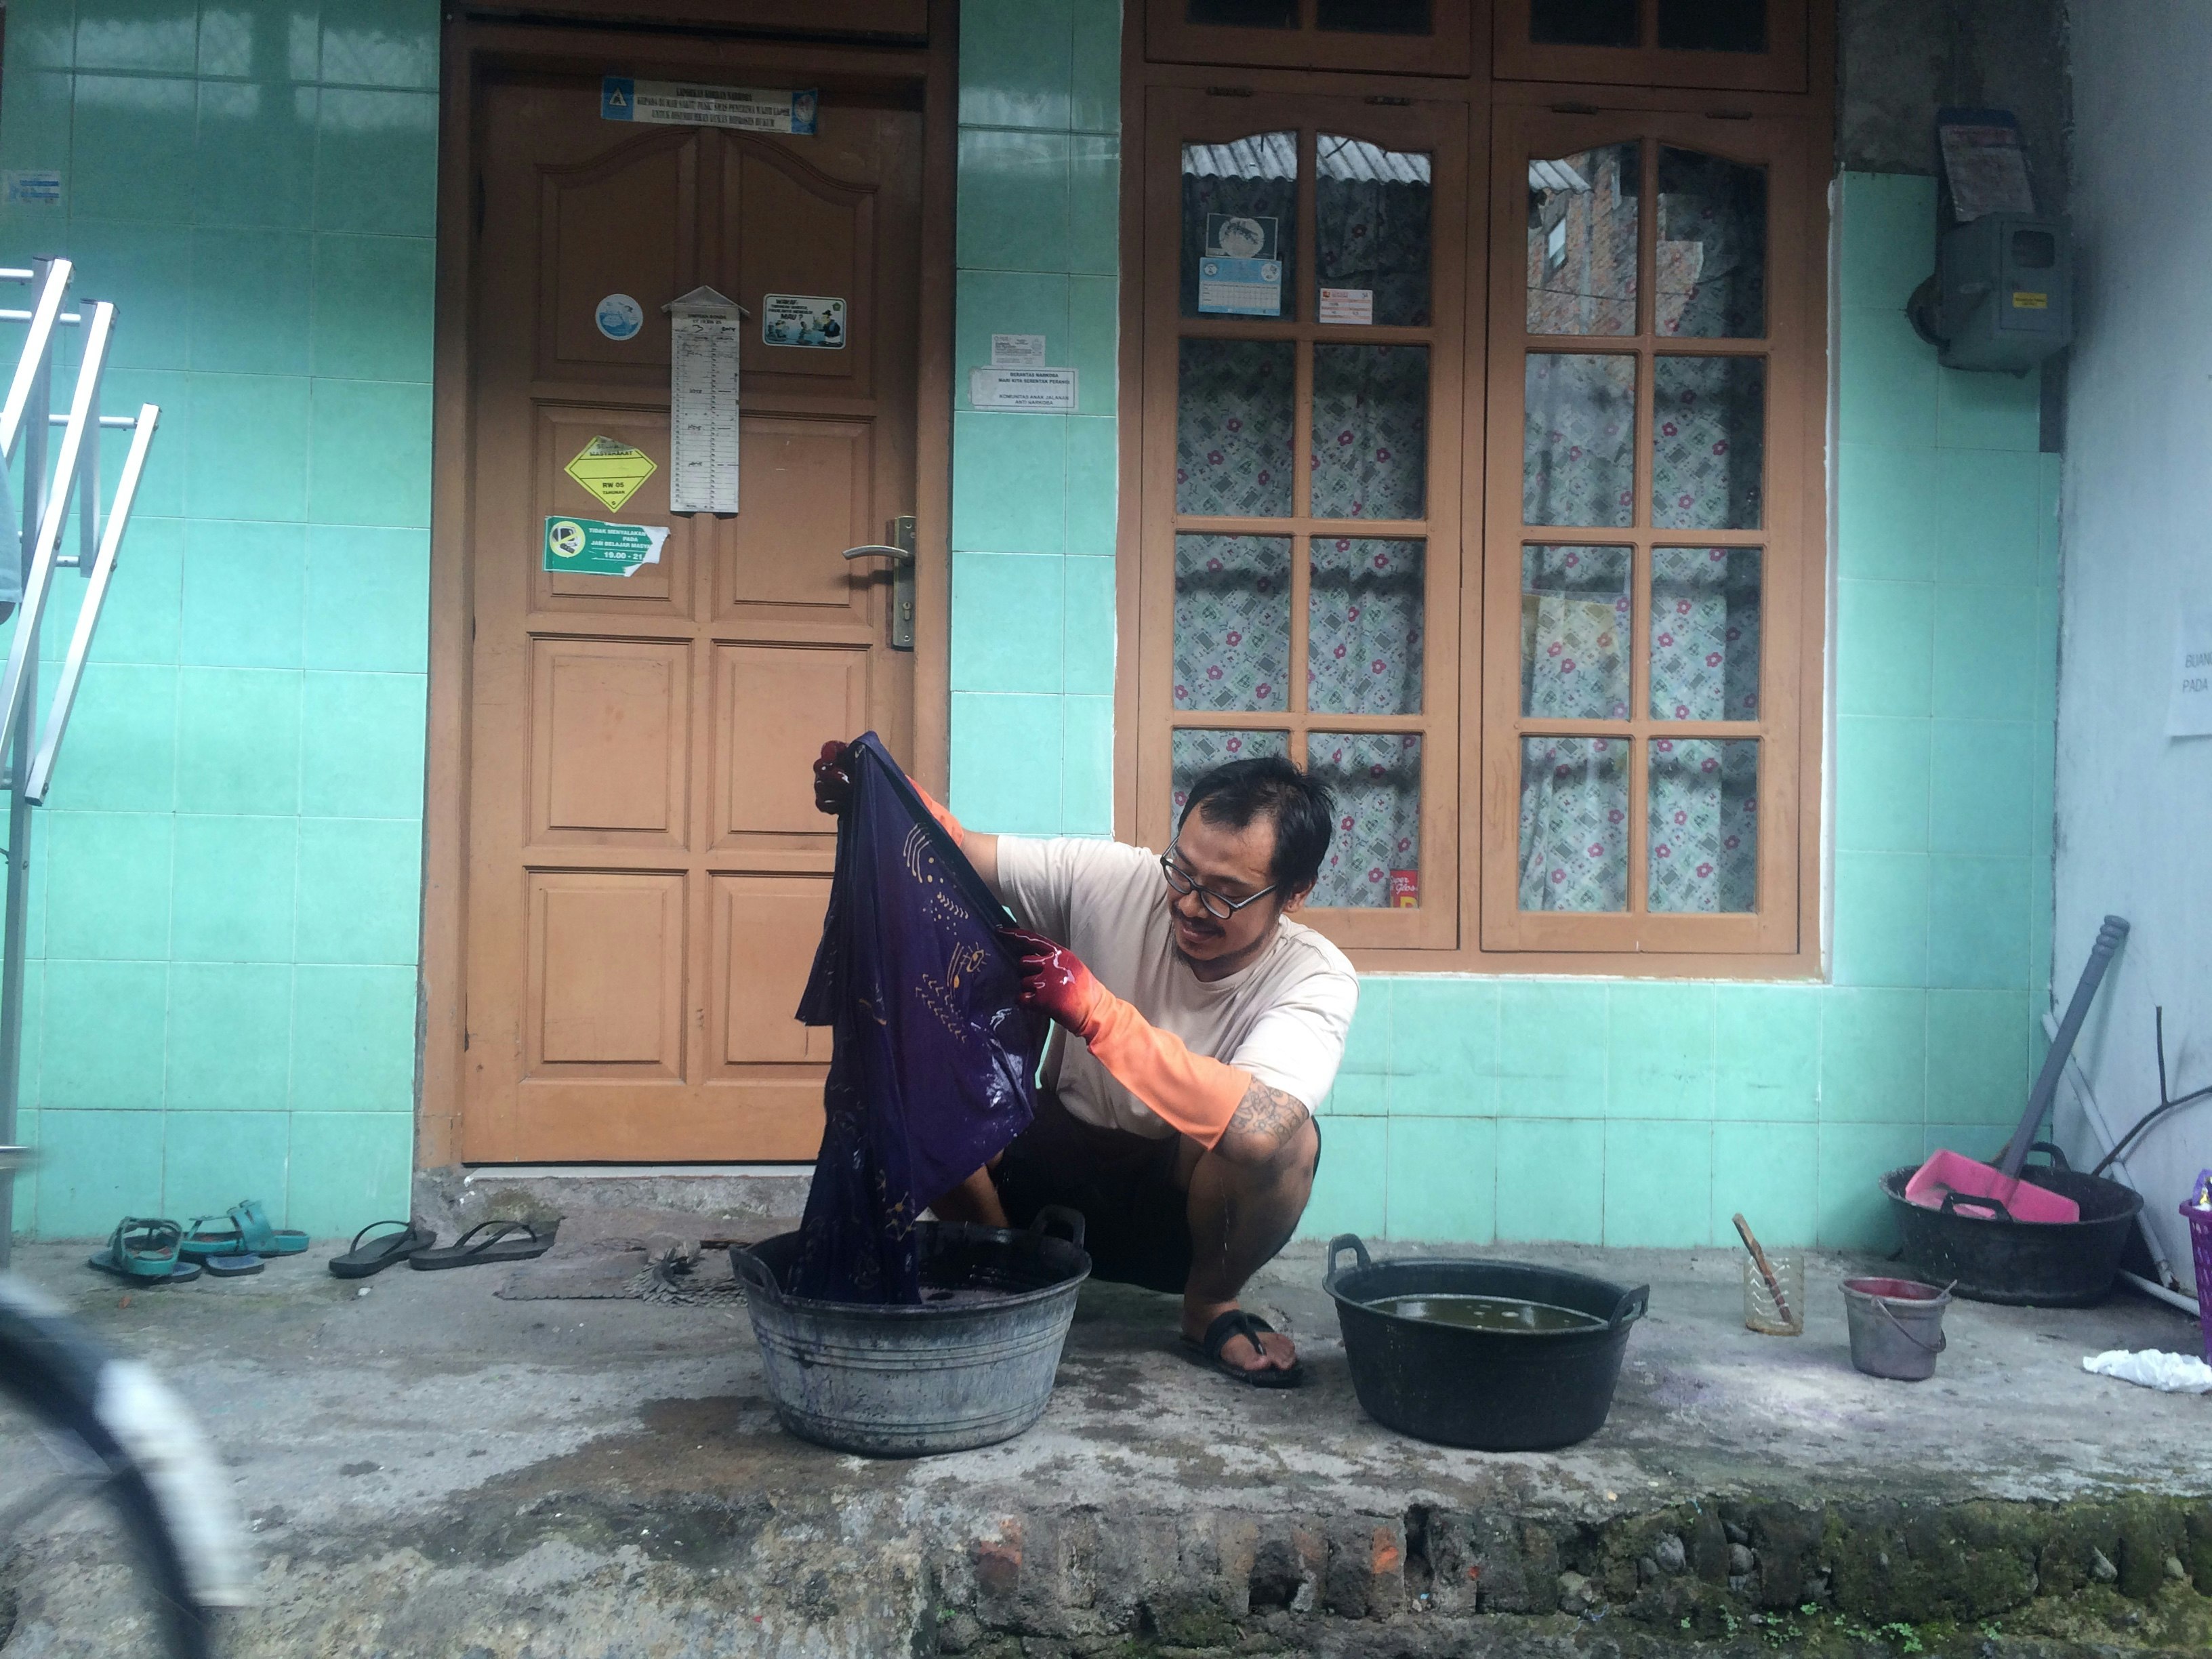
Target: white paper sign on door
{"x": 706, "y": 331}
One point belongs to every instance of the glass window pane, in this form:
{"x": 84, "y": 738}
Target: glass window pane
{"x": 1374, "y": 859}
{"x": 1232, "y": 622}
{"x": 1363, "y": 626}
{"x": 1705, "y": 633}
{"x": 1240, "y": 229}
{"x": 1370, "y": 431}
{"x": 1712, "y": 247}
{"x": 1233, "y": 431}
{"x": 1574, "y": 824}
{"x": 1578, "y": 444}
{"x": 1371, "y": 212}
{"x": 1375, "y": 17}
{"x": 1708, "y": 442}
{"x": 1193, "y": 754}
{"x": 1713, "y": 25}
{"x": 1705, "y": 824}
{"x": 1582, "y": 23}
{"x": 1581, "y": 241}
{"x": 1575, "y": 618}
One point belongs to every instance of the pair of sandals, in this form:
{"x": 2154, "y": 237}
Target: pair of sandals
{"x": 155, "y": 1250}
{"x": 488, "y": 1241}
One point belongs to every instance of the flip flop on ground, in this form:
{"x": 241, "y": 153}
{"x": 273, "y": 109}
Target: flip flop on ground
{"x": 144, "y": 1251}
{"x": 499, "y": 1243}
{"x": 1250, "y": 1326}
{"x": 243, "y": 1229}
{"x": 359, "y": 1260}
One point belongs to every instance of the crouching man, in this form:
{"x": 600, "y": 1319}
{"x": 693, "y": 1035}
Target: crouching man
{"x": 1197, "y": 1025}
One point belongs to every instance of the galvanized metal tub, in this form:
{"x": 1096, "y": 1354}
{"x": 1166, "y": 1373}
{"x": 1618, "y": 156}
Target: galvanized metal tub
{"x": 972, "y": 1364}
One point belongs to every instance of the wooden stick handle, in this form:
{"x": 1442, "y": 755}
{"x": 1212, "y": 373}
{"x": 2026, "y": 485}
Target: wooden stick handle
{"x": 1765, "y": 1270}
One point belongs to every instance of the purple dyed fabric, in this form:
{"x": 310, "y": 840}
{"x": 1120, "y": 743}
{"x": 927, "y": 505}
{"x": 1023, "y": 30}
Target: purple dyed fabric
{"x": 933, "y": 1064}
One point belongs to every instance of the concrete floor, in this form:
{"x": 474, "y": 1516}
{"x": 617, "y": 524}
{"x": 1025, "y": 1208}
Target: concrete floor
{"x": 428, "y": 1468}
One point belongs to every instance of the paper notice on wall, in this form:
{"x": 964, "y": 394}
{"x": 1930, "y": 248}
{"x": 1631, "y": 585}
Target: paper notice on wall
{"x": 1018, "y": 351}
{"x": 706, "y": 329}
{"x": 1983, "y": 163}
{"x": 2189, "y": 711}
{"x": 688, "y": 104}
{"x": 1030, "y": 391}
{"x": 1240, "y": 274}
{"x": 611, "y": 471}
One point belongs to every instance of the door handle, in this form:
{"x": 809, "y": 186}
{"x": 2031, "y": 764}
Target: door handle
{"x": 897, "y": 546}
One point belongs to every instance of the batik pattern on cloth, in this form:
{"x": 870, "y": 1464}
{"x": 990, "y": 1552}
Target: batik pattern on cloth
{"x": 1192, "y": 753}
{"x": 1375, "y": 779}
{"x": 1232, "y": 623}
{"x": 1233, "y": 428}
{"x": 1574, "y": 824}
{"x": 1370, "y": 431}
{"x": 1363, "y": 626}
{"x": 1578, "y": 444}
{"x": 931, "y": 1060}
{"x": 1704, "y": 830}
{"x": 1708, "y": 448}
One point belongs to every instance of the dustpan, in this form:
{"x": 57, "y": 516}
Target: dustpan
{"x": 1968, "y": 1187}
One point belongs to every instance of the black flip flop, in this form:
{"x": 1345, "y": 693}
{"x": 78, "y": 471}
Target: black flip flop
{"x": 359, "y": 1260}
{"x": 1237, "y": 1323}
{"x": 497, "y": 1245}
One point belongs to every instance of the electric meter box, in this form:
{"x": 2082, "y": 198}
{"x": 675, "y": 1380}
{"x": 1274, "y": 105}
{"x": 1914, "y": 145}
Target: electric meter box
{"x": 2007, "y": 288}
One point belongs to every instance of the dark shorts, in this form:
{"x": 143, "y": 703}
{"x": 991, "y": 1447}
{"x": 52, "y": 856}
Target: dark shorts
{"x": 1136, "y": 1217}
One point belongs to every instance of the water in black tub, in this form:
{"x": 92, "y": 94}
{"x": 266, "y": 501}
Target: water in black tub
{"x": 1488, "y": 1313}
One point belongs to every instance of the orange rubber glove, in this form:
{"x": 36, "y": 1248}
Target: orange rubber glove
{"x": 1194, "y": 1092}
{"x": 832, "y": 792}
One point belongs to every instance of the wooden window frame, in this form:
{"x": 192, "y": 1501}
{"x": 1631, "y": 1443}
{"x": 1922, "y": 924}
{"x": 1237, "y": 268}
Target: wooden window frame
{"x": 1449, "y": 50}
{"x": 1799, "y": 957}
{"x": 1783, "y": 67}
{"x": 1789, "y": 559}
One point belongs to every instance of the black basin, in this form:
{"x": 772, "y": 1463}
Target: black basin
{"x": 1494, "y": 1390}
{"x": 2036, "y": 1264}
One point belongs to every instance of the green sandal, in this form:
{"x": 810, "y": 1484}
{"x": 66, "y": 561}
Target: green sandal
{"x": 244, "y": 1230}
{"x": 144, "y": 1251}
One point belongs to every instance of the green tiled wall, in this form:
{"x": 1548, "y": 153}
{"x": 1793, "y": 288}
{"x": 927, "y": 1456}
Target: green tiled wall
{"x": 227, "y": 879}
{"x": 1033, "y": 495}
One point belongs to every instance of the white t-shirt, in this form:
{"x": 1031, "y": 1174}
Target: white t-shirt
{"x": 1282, "y": 1016}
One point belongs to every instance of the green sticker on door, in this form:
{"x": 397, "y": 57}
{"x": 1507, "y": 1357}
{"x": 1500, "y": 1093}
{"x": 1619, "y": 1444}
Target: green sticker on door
{"x": 592, "y": 547}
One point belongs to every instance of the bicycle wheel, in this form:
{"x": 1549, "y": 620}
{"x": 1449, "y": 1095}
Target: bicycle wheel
{"x": 113, "y": 1539}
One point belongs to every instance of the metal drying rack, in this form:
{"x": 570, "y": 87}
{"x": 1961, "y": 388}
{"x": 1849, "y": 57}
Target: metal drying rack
{"x": 30, "y": 747}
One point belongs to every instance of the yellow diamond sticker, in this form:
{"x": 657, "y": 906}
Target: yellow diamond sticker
{"x": 611, "y": 471}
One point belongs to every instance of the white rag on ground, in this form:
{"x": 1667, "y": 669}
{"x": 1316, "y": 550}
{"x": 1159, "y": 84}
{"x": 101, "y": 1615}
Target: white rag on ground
{"x": 2169, "y": 1373}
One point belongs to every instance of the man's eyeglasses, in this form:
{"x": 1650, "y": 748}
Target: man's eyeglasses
{"x": 1215, "y": 905}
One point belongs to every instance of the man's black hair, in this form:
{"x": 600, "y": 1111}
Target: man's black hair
{"x": 1298, "y": 803}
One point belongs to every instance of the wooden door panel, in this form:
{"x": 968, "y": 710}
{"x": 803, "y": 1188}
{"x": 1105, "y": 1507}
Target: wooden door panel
{"x": 562, "y": 431}
{"x": 609, "y": 742}
{"x": 774, "y": 703}
{"x": 795, "y": 230}
{"x": 647, "y": 872}
{"x": 765, "y": 929}
{"x": 606, "y": 973}
{"x": 626, "y": 222}
{"x": 807, "y": 487}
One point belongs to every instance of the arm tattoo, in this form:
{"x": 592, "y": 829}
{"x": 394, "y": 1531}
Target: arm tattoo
{"x": 1268, "y": 1114}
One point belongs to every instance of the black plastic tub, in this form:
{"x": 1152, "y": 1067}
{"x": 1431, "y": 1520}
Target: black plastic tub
{"x": 1494, "y": 1390}
{"x": 2036, "y": 1264}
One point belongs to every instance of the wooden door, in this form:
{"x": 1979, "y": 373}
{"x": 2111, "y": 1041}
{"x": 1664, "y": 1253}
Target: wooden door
{"x": 647, "y": 872}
